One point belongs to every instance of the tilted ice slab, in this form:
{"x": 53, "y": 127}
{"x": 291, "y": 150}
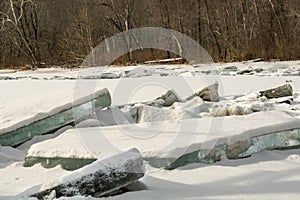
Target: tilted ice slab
{"x": 22, "y": 118}
{"x": 162, "y": 143}
{"x": 98, "y": 179}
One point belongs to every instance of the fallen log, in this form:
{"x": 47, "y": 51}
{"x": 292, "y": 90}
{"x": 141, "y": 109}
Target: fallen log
{"x": 166, "y": 61}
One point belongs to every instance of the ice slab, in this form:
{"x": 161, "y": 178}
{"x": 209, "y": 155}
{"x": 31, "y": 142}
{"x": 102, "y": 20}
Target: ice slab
{"x": 177, "y": 111}
{"x": 280, "y": 140}
{"x": 162, "y": 143}
{"x": 68, "y": 164}
{"x": 113, "y": 116}
{"x": 169, "y": 98}
{"x": 277, "y": 140}
{"x": 56, "y": 111}
{"x": 209, "y": 93}
{"x": 97, "y": 179}
{"x": 281, "y": 91}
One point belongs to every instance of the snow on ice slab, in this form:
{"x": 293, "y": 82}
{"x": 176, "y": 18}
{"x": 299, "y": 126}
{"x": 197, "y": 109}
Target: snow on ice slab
{"x": 42, "y": 112}
{"x": 28, "y": 101}
{"x": 15, "y": 178}
{"x": 162, "y": 143}
{"x": 132, "y": 90}
{"x": 99, "y": 178}
{"x": 268, "y": 176}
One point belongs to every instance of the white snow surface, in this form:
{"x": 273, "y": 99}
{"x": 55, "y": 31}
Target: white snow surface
{"x": 276, "y": 68}
{"x": 15, "y": 178}
{"x": 171, "y": 138}
{"x": 38, "y": 103}
{"x": 34, "y": 100}
{"x": 266, "y": 175}
{"x": 269, "y": 175}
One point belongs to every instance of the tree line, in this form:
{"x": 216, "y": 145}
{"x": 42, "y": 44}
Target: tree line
{"x": 56, "y": 32}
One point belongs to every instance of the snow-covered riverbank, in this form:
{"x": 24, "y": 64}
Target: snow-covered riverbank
{"x": 163, "y": 133}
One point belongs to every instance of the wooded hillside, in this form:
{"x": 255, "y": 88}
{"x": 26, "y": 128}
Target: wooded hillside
{"x": 58, "y": 32}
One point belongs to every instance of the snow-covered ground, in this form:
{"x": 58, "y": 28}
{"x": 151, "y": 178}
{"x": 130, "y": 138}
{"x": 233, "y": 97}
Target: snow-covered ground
{"x": 268, "y": 175}
{"x": 158, "y": 132}
{"x": 25, "y": 102}
{"x": 284, "y": 68}
{"x": 171, "y": 139}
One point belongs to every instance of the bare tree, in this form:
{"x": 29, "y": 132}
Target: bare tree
{"x": 59, "y": 32}
{"x": 120, "y": 16}
{"x": 21, "y": 20}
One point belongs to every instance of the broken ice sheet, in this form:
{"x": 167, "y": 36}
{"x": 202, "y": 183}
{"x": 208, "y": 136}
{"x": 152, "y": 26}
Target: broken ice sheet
{"x": 57, "y": 117}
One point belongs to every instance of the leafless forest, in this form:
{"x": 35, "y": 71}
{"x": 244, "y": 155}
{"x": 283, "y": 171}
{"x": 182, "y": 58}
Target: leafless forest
{"x": 63, "y": 32}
